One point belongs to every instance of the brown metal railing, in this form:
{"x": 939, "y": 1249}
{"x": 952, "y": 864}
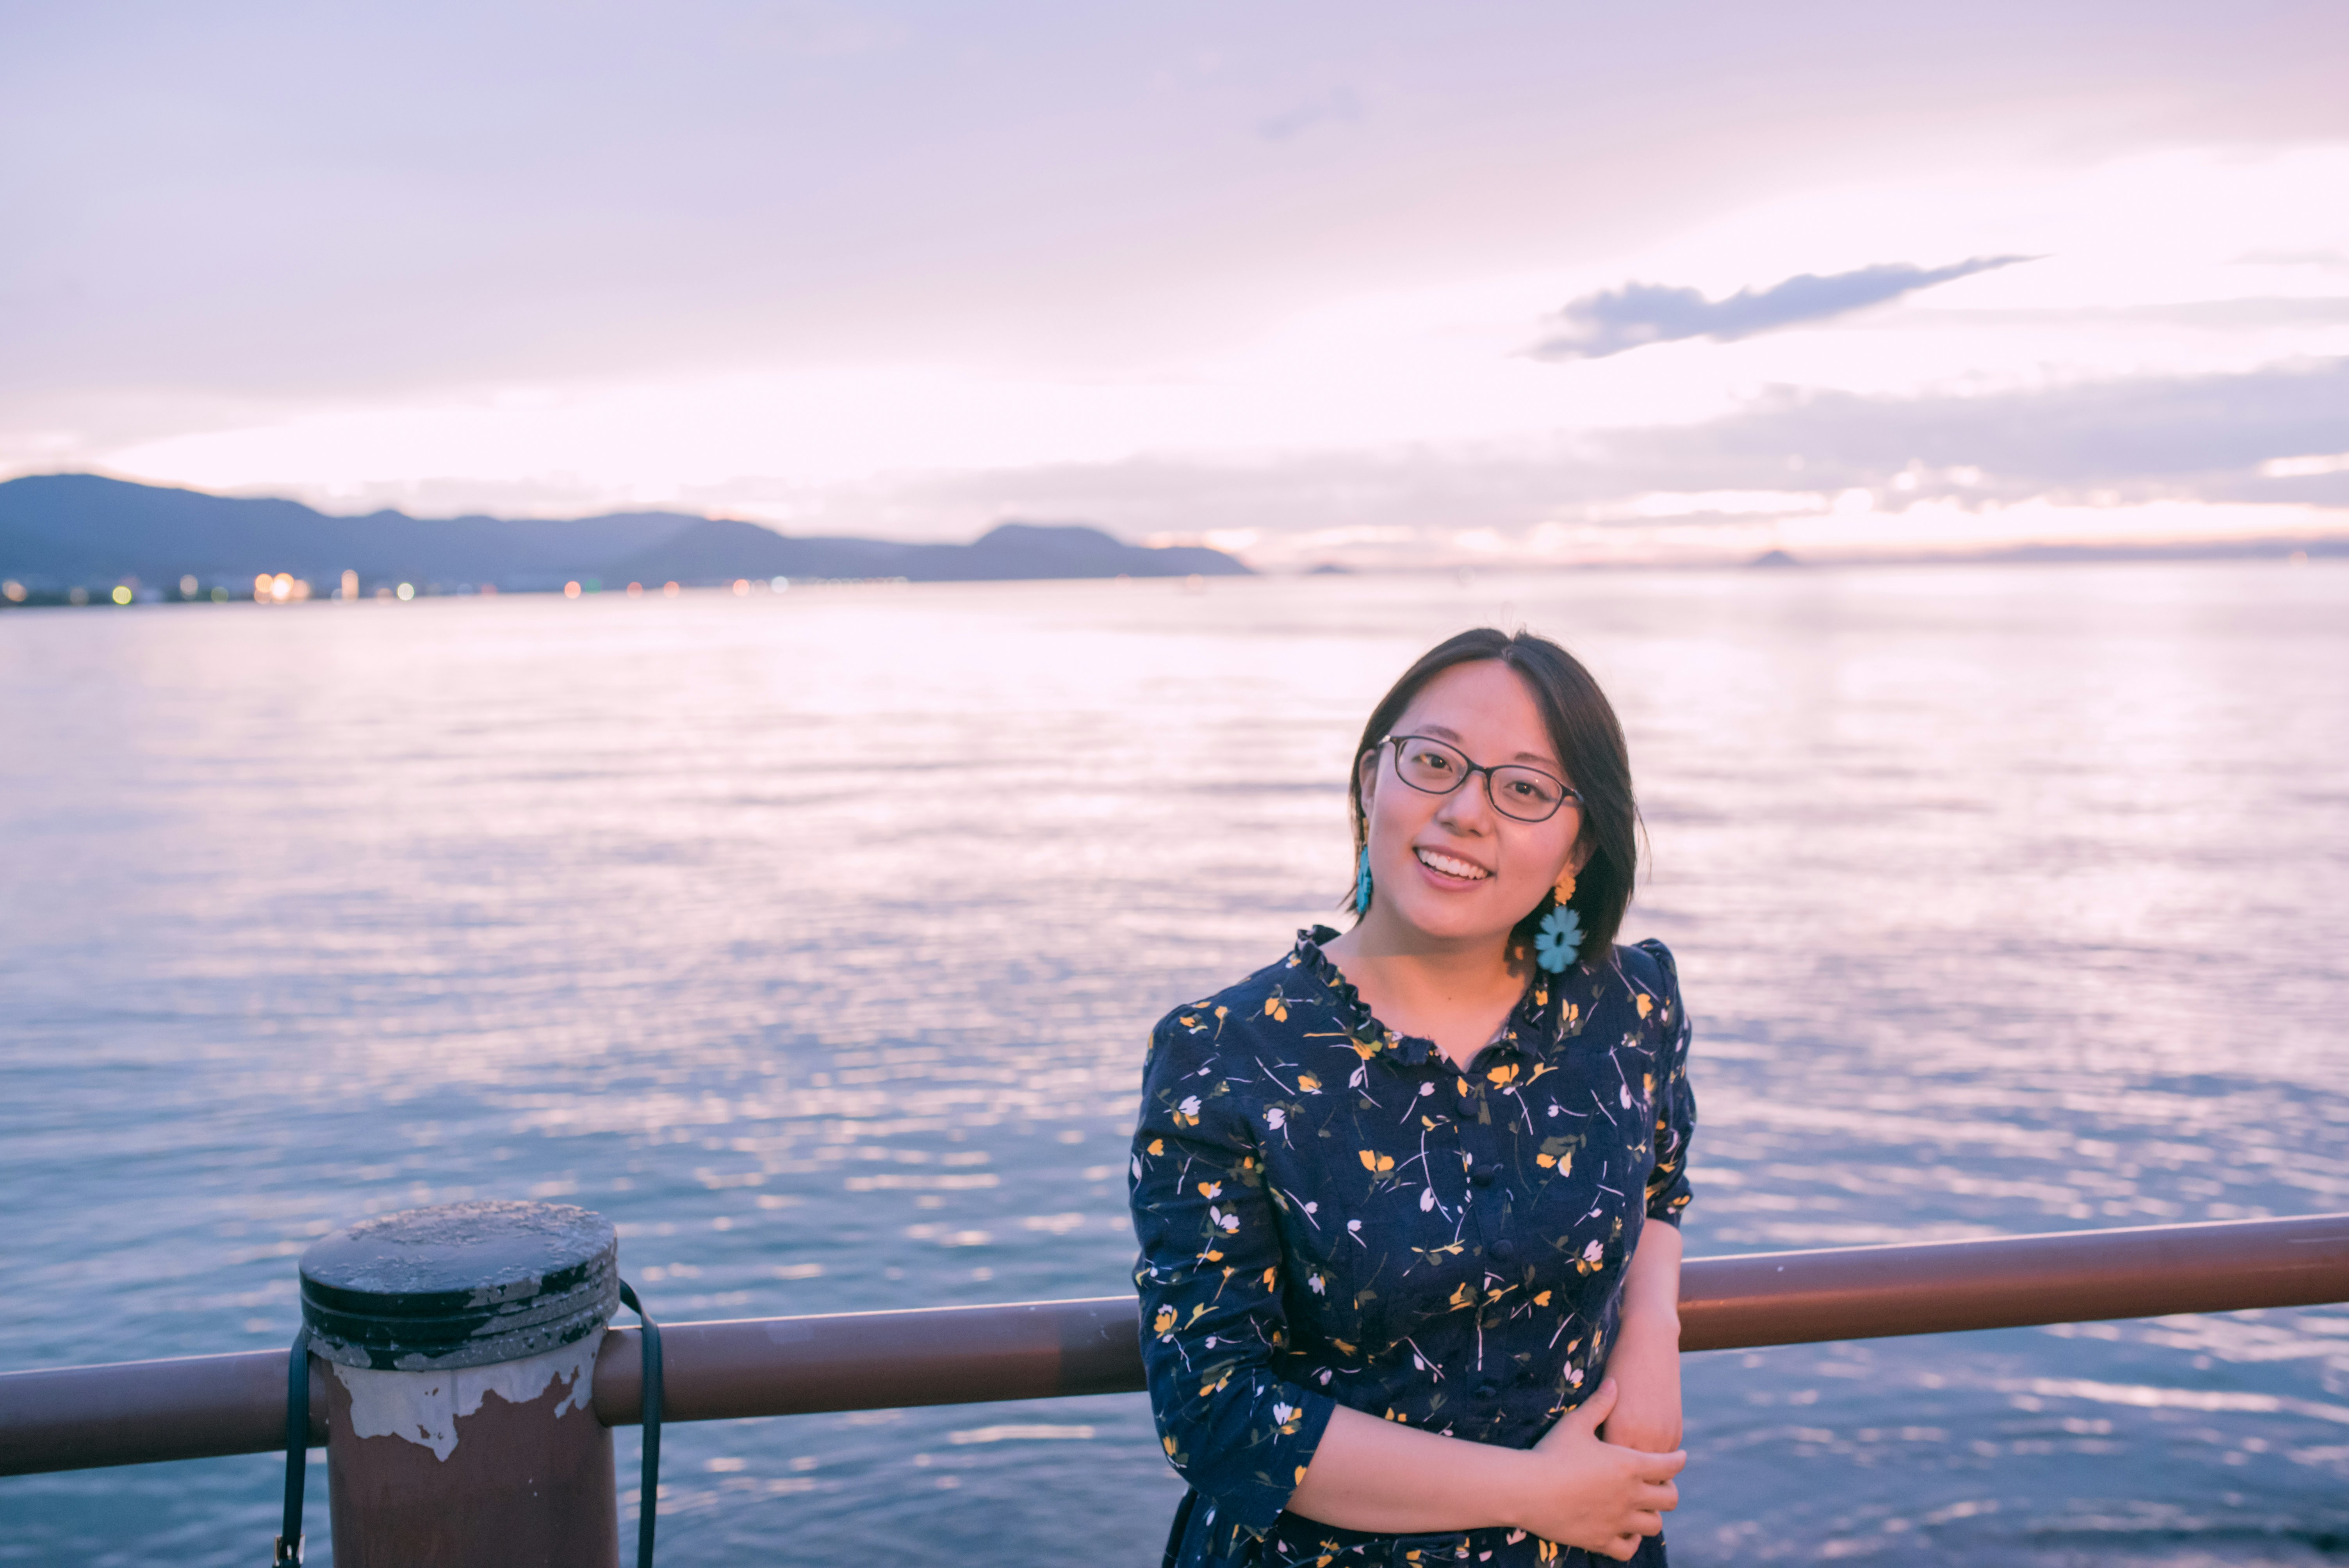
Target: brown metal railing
{"x": 79, "y": 1418}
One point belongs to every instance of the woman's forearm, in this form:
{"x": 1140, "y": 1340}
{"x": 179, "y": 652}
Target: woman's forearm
{"x": 1645, "y": 1362}
{"x": 1652, "y": 1283}
{"x": 1393, "y": 1480}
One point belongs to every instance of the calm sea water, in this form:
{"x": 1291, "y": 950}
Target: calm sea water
{"x": 813, "y": 937}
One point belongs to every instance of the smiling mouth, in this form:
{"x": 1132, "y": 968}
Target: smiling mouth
{"x": 1447, "y": 866}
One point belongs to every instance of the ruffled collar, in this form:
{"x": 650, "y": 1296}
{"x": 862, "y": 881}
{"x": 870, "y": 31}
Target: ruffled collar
{"x": 1541, "y": 1018}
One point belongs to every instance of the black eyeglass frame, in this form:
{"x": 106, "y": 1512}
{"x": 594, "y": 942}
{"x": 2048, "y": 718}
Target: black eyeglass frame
{"x": 1567, "y": 794}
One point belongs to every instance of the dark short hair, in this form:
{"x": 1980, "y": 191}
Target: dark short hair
{"x": 1590, "y": 743}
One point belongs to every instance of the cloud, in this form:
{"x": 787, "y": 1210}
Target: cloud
{"x": 2256, "y": 442}
{"x": 2327, "y": 261}
{"x": 1618, "y": 320}
{"x": 1334, "y": 109}
{"x": 2204, "y": 438}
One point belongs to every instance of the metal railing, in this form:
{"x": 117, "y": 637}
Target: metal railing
{"x": 80, "y": 1418}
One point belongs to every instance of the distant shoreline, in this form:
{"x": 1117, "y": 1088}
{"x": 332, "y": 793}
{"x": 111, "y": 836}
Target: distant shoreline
{"x": 69, "y": 539}
{"x": 63, "y": 533}
{"x": 16, "y": 595}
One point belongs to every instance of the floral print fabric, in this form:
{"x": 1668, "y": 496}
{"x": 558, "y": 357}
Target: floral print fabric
{"x": 1333, "y": 1213}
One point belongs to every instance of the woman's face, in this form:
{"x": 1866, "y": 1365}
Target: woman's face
{"x": 1449, "y": 866}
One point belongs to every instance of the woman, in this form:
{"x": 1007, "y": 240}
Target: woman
{"x": 1401, "y": 1303}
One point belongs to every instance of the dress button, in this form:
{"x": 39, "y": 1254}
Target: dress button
{"x": 1486, "y": 1391}
{"x": 1504, "y": 1249}
{"x": 1483, "y": 1177}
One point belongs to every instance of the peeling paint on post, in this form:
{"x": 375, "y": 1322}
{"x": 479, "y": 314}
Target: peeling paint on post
{"x": 461, "y": 1343}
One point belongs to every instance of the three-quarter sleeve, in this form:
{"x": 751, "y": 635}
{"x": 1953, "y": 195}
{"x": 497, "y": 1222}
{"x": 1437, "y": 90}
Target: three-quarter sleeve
{"x": 1210, "y": 1277}
{"x": 1675, "y": 1102}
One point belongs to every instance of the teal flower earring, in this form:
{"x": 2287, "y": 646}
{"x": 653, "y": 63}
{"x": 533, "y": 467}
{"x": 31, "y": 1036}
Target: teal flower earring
{"x": 1560, "y": 937}
{"x": 1362, "y": 884}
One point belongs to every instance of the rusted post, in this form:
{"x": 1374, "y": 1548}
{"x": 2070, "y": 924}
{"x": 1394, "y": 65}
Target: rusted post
{"x": 461, "y": 1343}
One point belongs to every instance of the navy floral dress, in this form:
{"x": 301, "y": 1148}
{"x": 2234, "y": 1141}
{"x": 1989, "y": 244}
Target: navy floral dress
{"x": 1333, "y": 1213}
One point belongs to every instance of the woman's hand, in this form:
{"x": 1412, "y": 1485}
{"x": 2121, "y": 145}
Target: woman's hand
{"x": 1594, "y": 1494}
{"x": 1645, "y": 1367}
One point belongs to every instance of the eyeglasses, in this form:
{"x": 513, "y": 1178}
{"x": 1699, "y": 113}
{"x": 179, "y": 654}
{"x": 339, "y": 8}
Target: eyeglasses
{"x": 1526, "y": 794}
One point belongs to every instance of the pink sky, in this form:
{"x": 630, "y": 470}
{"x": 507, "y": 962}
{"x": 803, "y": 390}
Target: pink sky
{"x": 1364, "y": 282}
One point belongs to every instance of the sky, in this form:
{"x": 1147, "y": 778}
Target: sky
{"x": 1370, "y": 283}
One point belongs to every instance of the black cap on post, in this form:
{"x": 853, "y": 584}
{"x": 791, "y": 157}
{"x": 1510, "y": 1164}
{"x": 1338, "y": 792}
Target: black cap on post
{"x": 460, "y": 1285}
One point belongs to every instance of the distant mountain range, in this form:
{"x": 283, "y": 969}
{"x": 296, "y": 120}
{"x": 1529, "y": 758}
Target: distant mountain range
{"x": 62, "y": 532}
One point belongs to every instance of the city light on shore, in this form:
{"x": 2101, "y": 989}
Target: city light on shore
{"x": 279, "y": 588}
